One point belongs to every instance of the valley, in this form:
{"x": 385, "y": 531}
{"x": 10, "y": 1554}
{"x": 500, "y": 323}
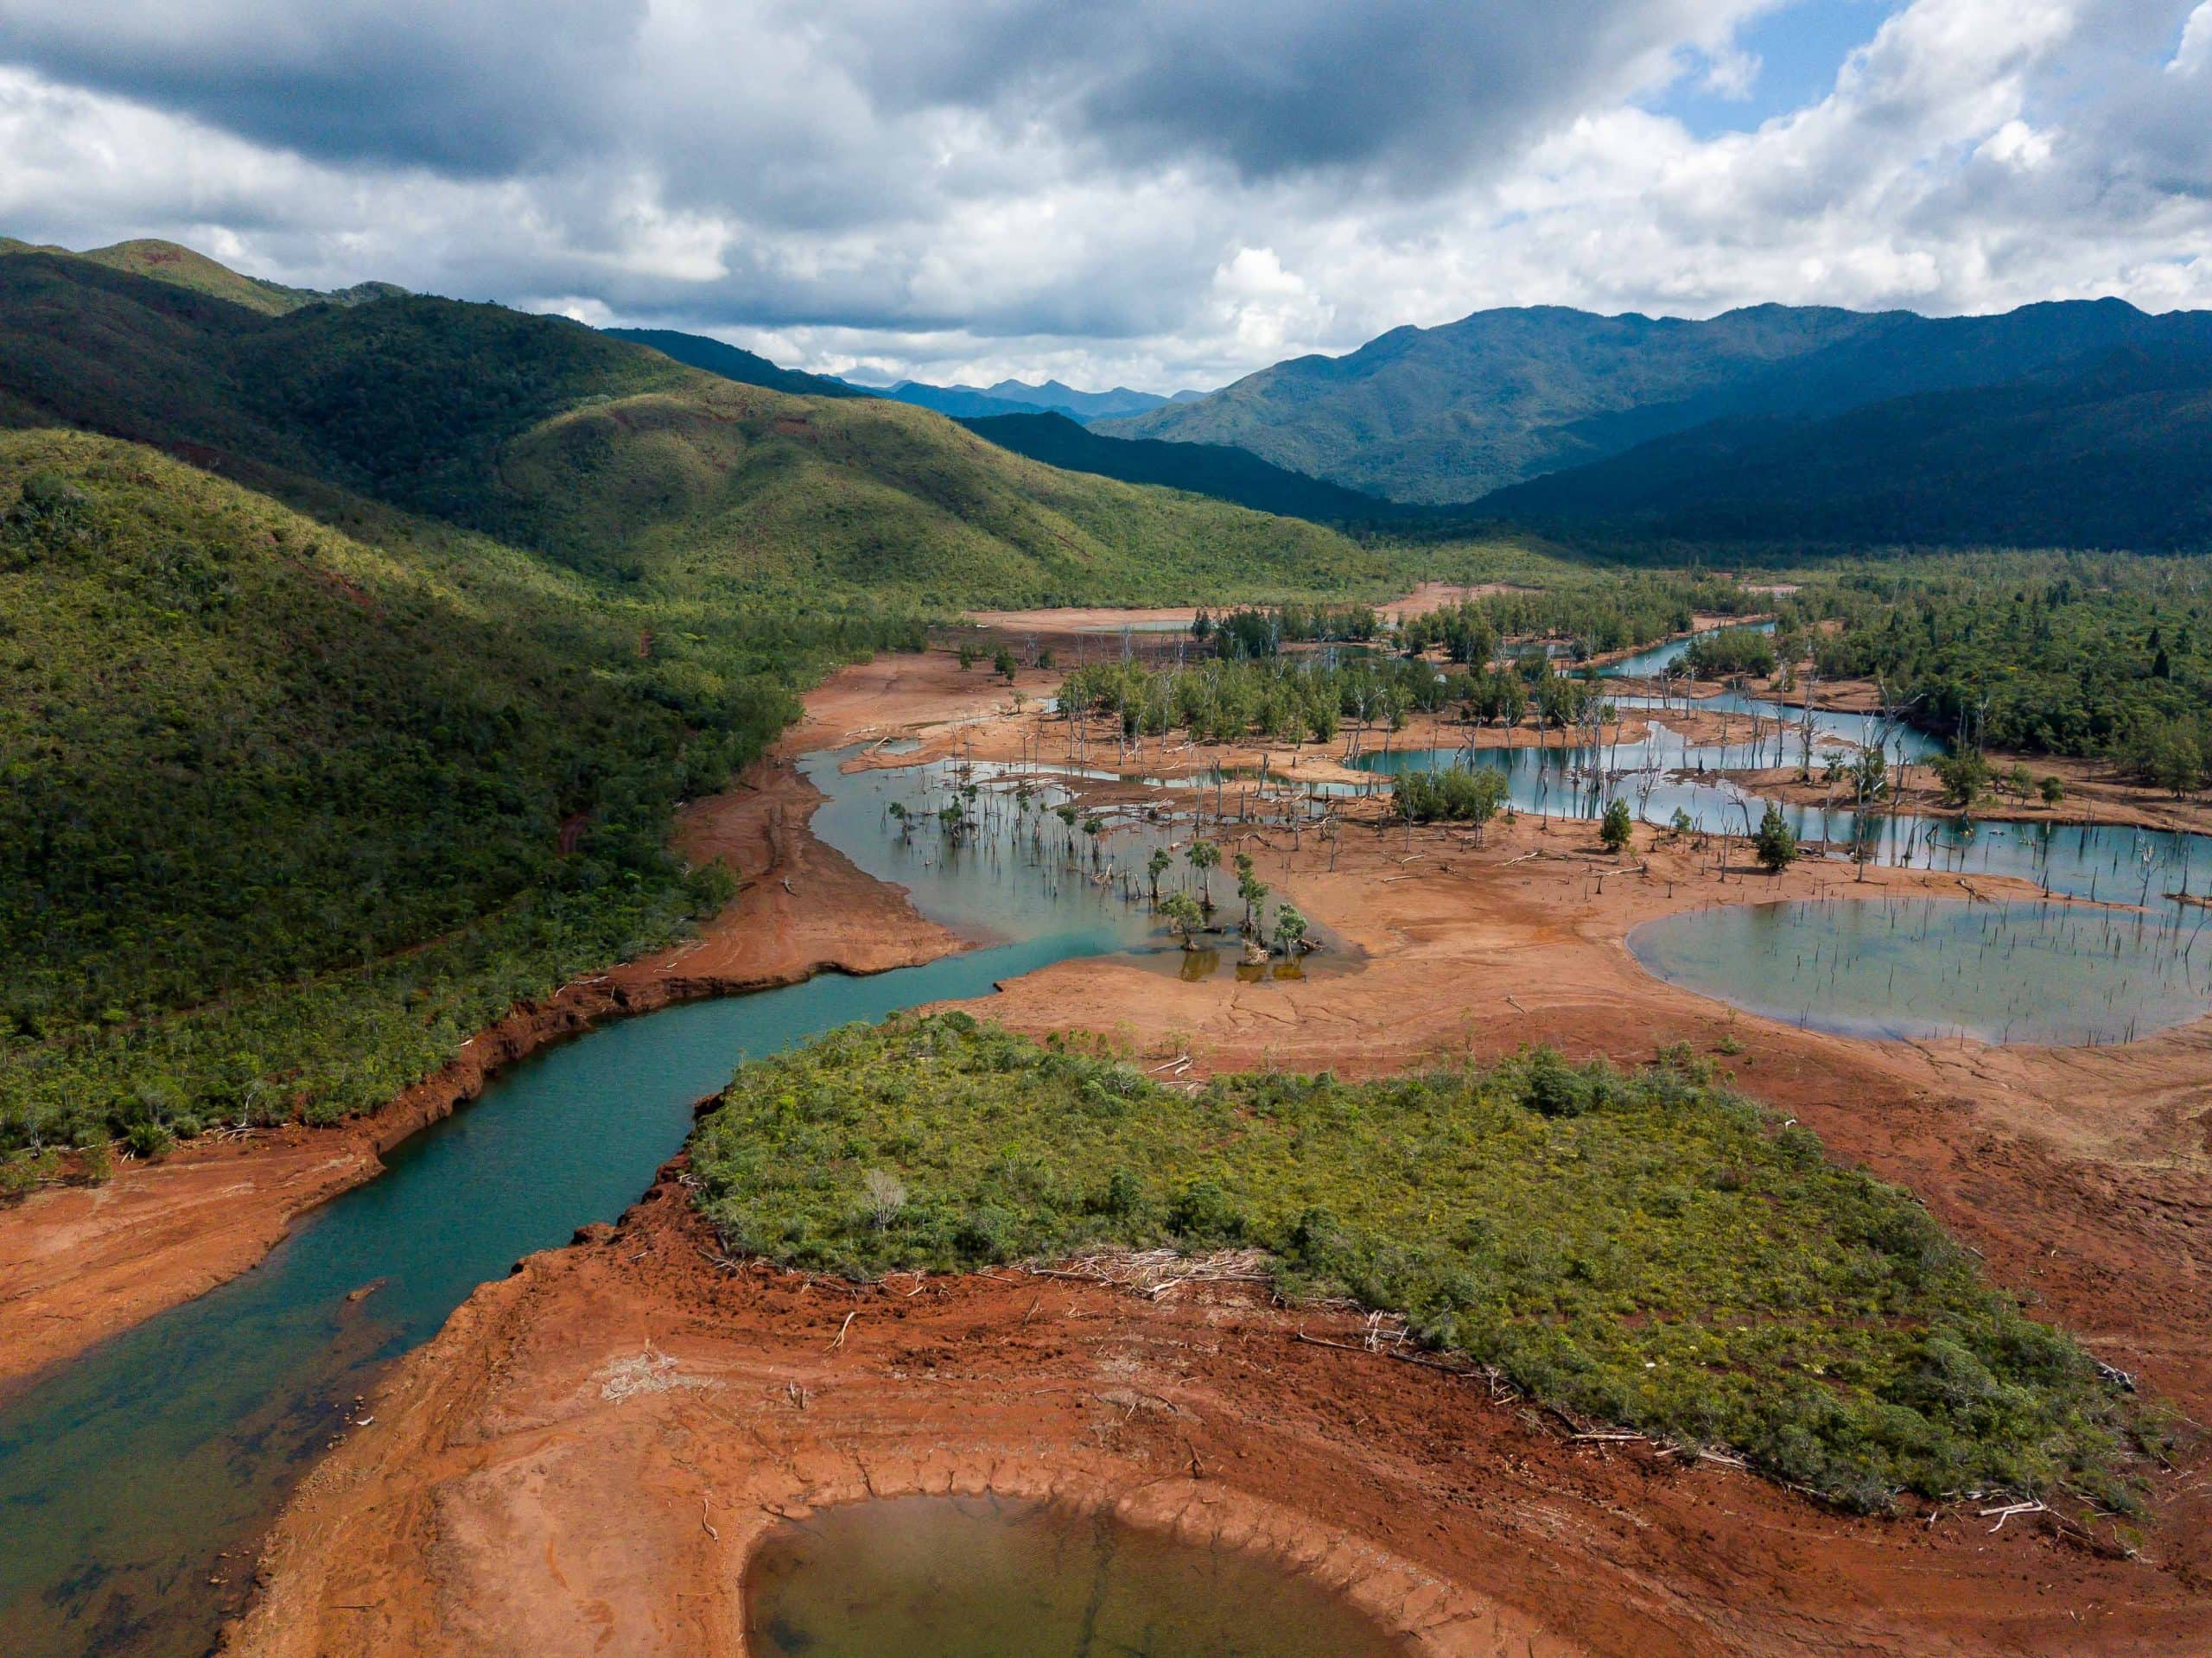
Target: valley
{"x": 2077, "y": 1170}
{"x": 623, "y": 970}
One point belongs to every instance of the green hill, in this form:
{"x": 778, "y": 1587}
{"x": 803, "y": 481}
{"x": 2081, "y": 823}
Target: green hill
{"x": 1216, "y": 469}
{"x": 352, "y": 660}
{"x": 183, "y": 267}
{"x": 613, "y": 458}
{"x": 289, "y": 811}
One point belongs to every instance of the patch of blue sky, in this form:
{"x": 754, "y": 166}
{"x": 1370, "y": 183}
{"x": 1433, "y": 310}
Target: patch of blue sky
{"x": 1797, "y": 50}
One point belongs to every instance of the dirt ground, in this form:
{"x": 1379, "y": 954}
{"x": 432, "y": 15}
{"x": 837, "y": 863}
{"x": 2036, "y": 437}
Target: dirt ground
{"x": 630, "y": 1376}
{"x": 2097, "y": 791}
{"x": 1066, "y": 619}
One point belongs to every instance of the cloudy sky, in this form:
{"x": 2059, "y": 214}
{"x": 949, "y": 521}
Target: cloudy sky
{"x": 1161, "y": 193}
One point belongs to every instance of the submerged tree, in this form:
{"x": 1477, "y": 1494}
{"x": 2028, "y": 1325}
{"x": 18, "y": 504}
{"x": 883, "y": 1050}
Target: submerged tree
{"x": 1154, "y": 868}
{"x": 1184, "y": 918}
{"x": 1290, "y": 929}
{"x": 1204, "y": 856}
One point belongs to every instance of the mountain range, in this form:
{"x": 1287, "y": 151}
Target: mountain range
{"x": 1471, "y": 412}
{"x": 603, "y": 454}
{"x": 1020, "y": 397}
{"x": 2079, "y": 423}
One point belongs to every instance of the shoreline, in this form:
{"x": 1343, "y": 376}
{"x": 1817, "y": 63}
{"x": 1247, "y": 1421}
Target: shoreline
{"x": 86, "y": 1263}
{"x": 628, "y": 1373}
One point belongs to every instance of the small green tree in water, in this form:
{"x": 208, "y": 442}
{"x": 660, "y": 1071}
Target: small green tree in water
{"x": 1775, "y": 843}
{"x": 1290, "y": 929}
{"x": 1184, "y": 918}
{"x": 1155, "y": 867}
{"x": 1617, "y": 827}
{"x": 1204, "y": 856}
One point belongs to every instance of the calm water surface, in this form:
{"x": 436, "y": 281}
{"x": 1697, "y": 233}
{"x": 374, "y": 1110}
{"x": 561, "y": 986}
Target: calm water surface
{"x": 956, "y": 1578}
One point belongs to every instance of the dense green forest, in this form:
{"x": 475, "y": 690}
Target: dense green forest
{"x": 1620, "y": 611}
{"x": 1299, "y": 699}
{"x": 2057, "y": 654}
{"x": 284, "y": 810}
{"x": 1648, "y": 1250}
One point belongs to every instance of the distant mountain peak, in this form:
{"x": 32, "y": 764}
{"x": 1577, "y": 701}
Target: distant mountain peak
{"x": 1012, "y": 397}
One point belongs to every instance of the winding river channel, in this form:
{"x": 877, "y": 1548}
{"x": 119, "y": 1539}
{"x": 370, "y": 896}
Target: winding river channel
{"x": 135, "y": 1482}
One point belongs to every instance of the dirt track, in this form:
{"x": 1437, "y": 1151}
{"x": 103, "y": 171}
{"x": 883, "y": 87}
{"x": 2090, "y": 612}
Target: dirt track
{"x": 473, "y": 1518}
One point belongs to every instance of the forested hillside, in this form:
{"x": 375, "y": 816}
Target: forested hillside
{"x": 289, "y": 811}
{"x": 612, "y": 457}
{"x": 1215, "y": 469}
{"x": 1452, "y": 413}
{"x": 349, "y": 682}
{"x": 2113, "y": 453}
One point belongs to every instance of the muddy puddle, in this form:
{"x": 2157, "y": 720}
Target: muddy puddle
{"x": 938, "y": 1577}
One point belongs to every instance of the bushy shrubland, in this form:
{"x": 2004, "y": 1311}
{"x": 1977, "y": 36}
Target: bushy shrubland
{"x": 1646, "y": 1249}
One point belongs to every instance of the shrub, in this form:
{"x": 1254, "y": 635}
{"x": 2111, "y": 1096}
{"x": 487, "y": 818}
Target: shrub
{"x": 1645, "y": 1249}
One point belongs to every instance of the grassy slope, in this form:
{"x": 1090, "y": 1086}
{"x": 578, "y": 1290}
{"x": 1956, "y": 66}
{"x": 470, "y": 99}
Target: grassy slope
{"x": 1648, "y": 1250}
{"x": 181, "y": 267}
{"x": 612, "y": 457}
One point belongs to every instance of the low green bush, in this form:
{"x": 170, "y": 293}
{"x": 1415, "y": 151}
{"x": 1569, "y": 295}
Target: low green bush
{"x": 1644, "y": 1249}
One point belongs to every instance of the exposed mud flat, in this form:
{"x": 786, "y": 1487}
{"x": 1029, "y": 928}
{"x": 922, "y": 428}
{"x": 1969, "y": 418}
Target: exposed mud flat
{"x": 582, "y": 1459}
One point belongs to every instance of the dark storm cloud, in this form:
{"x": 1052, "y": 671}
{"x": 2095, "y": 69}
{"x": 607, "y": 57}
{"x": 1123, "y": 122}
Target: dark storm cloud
{"x": 469, "y": 88}
{"x": 487, "y": 86}
{"x": 1162, "y": 192}
{"x": 1275, "y": 87}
